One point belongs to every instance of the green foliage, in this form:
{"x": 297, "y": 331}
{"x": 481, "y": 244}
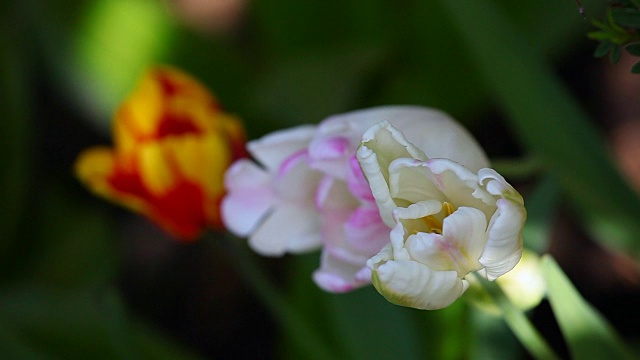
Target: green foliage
{"x": 619, "y": 31}
{"x": 588, "y": 334}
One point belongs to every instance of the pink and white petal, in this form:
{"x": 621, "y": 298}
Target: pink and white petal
{"x": 410, "y": 283}
{"x": 331, "y": 155}
{"x": 335, "y": 238}
{"x": 333, "y": 194}
{"x": 295, "y": 181}
{"x": 504, "y": 245}
{"x": 365, "y": 232}
{"x": 357, "y": 183}
{"x": 247, "y": 202}
{"x": 289, "y": 228}
{"x": 272, "y": 149}
{"x": 339, "y": 276}
{"x": 412, "y": 181}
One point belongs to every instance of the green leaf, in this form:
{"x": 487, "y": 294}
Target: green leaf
{"x": 616, "y": 53}
{"x": 587, "y": 333}
{"x": 633, "y": 49}
{"x": 603, "y": 49}
{"x": 626, "y": 17}
{"x": 636, "y": 68}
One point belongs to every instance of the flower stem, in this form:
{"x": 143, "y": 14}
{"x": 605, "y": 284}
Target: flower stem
{"x": 518, "y": 322}
{"x": 291, "y": 321}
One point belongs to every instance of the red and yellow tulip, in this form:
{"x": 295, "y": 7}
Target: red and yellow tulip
{"x": 172, "y": 145}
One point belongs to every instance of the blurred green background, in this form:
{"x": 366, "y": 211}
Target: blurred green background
{"x": 81, "y": 278}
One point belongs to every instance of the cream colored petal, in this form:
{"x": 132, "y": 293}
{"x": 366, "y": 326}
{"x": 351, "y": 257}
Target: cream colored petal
{"x": 412, "y": 181}
{"x": 379, "y": 187}
{"x": 381, "y": 144}
{"x": 495, "y": 184}
{"x": 417, "y": 210}
{"x": 460, "y": 186}
{"x": 409, "y": 283}
{"x": 466, "y": 229}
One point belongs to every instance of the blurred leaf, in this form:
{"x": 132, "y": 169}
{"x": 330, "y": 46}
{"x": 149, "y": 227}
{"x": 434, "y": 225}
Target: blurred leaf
{"x": 626, "y": 17}
{"x": 12, "y": 346}
{"x": 493, "y": 339}
{"x": 388, "y": 334}
{"x": 588, "y": 334}
{"x": 633, "y": 49}
{"x": 115, "y": 43}
{"x": 603, "y": 49}
{"x": 43, "y": 321}
{"x": 538, "y": 105}
{"x": 312, "y": 304}
{"x": 542, "y": 208}
{"x": 152, "y": 344}
{"x": 66, "y": 324}
{"x": 312, "y": 86}
{"x": 636, "y": 68}
{"x": 15, "y": 128}
{"x": 616, "y": 53}
{"x": 74, "y": 245}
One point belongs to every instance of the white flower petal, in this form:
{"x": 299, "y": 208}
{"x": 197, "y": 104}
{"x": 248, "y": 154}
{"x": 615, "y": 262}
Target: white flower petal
{"x": 272, "y": 149}
{"x": 432, "y": 131}
{"x": 497, "y": 185}
{"x": 248, "y": 199}
{"x": 289, "y": 228}
{"x": 504, "y": 244}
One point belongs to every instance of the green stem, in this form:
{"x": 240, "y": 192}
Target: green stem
{"x": 283, "y": 312}
{"x": 518, "y": 322}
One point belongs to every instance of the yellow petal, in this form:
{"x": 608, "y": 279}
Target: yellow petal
{"x": 157, "y": 172}
{"x": 95, "y": 167}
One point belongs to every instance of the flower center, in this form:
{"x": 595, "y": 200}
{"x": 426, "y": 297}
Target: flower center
{"x": 435, "y": 222}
